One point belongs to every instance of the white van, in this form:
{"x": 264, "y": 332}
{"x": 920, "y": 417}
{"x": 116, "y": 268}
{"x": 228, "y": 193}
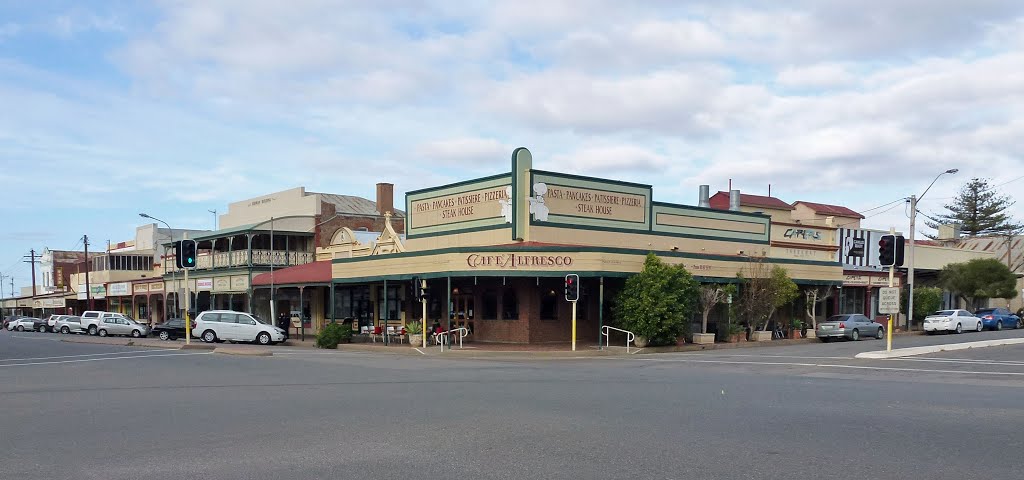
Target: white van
{"x": 91, "y": 319}
{"x": 220, "y": 325}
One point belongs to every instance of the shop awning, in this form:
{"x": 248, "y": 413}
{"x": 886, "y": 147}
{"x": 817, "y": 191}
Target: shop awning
{"x": 310, "y": 273}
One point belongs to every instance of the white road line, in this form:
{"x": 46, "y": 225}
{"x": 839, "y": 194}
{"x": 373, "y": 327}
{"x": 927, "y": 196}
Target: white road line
{"x": 709, "y": 354}
{"x": 821, "y": 365}
{"x": 102, "y": 359}
{"x": 87, "y": 355}
{"x": 965, "y": 361}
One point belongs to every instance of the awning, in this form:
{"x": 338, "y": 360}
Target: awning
{"x": 315, "y": 272}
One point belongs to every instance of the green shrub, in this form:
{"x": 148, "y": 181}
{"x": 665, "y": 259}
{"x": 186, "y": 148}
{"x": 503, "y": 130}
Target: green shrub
{"x": 333, "y": 334}
{"x": 414, "y": 327}
{"x": 658, "y": 302}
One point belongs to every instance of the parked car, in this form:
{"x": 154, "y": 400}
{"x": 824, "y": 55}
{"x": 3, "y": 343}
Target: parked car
{"x": 9, "y": 319}
{"x": 172, "y": 329}
{"x": 51, "y": 322}
{"x": 69, "y": 324}
{"x": 997, "y": 318}
{"x": 121, "y": 326}
{"x": 852, "y": 326}
{"x": 26, "y": 323}
{"x": 220, "y": 325}
{"x": 952, "y": 321}
{"x": 91, "y": 319}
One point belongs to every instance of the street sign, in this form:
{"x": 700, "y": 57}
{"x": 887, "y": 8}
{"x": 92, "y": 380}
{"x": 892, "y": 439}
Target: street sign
{"x": 889, "y": 300}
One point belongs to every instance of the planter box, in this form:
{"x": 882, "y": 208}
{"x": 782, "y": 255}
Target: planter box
{"x": 811, "y": 334}
{"x": 703, "y": 338}
{"x": 761, "y": 336}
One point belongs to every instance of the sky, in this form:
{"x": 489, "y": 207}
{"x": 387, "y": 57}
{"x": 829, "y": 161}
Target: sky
{"x": 176, "y": 108}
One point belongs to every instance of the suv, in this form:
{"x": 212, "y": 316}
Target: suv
{"x": 220, "y": 325}
{"x": 91, "y": 319}
{"x": 69, "y": 324}
{"x": 51, "y": 322}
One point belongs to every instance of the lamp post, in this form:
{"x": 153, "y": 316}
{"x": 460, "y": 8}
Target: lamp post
{"x": 170, "y": 233}
{"x": 913, "y": 220}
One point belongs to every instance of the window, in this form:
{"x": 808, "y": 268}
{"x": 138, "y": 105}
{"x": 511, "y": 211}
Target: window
{"x": 509, "y": 305}
{"x": 548, "y": 305}
{"x": 211, "y": 317}
{"x": 245, "y": 320}
{"x": 490, "y": 305}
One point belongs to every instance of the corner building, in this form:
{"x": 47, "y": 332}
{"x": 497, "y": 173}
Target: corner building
{"x": 494, "y": 252}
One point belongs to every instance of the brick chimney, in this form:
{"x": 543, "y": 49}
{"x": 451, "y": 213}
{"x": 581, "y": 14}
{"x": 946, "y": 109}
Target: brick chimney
{"x": 385, "y": 198}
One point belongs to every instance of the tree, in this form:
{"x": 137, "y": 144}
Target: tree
{"x": 658, "y": 302}
{"x": 926, "y": 301}
{"x": 710, "y": 296}
{"x": 979, "y": 279}
{"x": 814, "y": 296}
{"x": 764, "y": 291}
{"x": 979, "y": 210}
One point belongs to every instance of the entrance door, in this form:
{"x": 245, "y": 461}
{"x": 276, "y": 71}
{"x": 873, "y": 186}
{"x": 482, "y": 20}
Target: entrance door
{"x": 463, "y": 311}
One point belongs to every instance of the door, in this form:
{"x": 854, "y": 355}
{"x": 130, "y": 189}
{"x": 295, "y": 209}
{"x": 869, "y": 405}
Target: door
{"x": 227, "y": 328}
{"x": 247, "y": 328}
{"x": 463, "y": 311}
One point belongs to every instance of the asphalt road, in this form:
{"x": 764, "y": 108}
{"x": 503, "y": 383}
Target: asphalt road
{"x": 804, "y": 411}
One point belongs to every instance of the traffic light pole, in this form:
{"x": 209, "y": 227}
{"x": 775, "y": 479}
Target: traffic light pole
{"x": 574, "y": 325}
{"x": 423, "y": 301}
{"x": 888, "y": 328}
{"x": 188, "y": 298}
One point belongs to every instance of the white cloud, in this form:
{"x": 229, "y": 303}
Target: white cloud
{"x": 611, "y": 159}
{"x": 818, "y": 76}
{"x": 474, "y": 152}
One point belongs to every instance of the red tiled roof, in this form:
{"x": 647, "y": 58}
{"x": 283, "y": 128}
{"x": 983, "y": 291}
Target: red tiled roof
{"x": 720, "y": 201}
{"x": 826, "y": 209}
{"x": 315, "y": 272}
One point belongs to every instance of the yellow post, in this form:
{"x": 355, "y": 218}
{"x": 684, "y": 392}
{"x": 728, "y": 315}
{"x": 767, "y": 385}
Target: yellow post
{"x": 424, "y": 330}
{"x": 888, "y": 328}
{"x": 574, "y": 326}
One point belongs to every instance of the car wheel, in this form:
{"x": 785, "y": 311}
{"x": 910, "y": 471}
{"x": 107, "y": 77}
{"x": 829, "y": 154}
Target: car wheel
{"x": 21, "y": 328}
{"x": 959, "y": 328}
{"x": 856, "y": 335}
{"x": 209, "y": 336}
{"x": 263, "y": 338}
{"x": 65, "y": 330}
{"x": 136, "y": 333}
{"x": 999, "y": 325}
{"x": 92, "y": 329}
{"x": 42, "y": 329}
{"x": 102, "y": 332}
{"x": 164, "y": 335}
{"x": 881, "y": 334}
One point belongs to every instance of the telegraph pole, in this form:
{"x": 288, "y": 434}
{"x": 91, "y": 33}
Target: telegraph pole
{"x": 32, "y": 261}
{"x": 88, "y": 266}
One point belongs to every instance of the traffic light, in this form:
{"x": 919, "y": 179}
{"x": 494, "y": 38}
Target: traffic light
{"x": 572, "y": 287}
{"x": 890, "y": 250}
{"x": 185, "y": 256}
{"x": 417, "y": 289}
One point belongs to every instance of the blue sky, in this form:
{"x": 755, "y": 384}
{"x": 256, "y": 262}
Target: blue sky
{"x": 179, "y": 107}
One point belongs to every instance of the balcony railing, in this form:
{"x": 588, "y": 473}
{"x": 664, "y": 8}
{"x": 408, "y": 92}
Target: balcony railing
{"x": 240, "y": 258}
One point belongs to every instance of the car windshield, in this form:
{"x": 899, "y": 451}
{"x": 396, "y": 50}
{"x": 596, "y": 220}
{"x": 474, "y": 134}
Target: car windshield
{"x": 838, "y": 318}
{"x": 259, "y": 320}
{"x": 944, "y": 313}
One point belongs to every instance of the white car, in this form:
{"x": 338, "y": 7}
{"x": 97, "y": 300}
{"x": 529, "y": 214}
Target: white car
{"x": 220, "y": 325}
{"x": 24, "y": 324}
{"x": 69, "y": 324}
{"x": 952, "y": 321}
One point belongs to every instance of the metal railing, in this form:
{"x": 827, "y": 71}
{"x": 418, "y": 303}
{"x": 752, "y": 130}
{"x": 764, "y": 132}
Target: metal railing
{"x": 445, "y": 337}
{"x": 606, "y": 331}
{"x": 240, "y": 258}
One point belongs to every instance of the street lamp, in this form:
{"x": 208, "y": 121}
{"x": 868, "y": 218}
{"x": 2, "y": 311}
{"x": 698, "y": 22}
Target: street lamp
{"x": 913, "y": 220}
{"x": 174, "y": 280}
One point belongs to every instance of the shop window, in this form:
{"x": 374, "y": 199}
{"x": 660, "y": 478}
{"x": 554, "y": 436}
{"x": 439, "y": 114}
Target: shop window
{"x": 548, "y": 305}
{"x": 509, "y": 305}
{"x": 490, "y": 305}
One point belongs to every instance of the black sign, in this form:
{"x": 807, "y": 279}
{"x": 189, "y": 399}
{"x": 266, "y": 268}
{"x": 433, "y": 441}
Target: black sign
{"x": 855, "y": 247}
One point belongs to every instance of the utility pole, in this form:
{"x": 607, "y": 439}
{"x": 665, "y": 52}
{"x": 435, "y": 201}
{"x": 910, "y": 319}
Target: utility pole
{"x": 88, "y": 266}
{"x": 32, "y": 261}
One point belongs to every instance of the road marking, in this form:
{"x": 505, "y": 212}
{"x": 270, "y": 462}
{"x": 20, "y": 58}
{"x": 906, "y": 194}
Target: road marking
{"x": 102, "y": 359}
{"x": 707, "y": 354}
{"x": 87, "y": 355}
{"x": 966, "y": 361}
{"x": 820, "y": 365}
{"x": 418, "y": 350}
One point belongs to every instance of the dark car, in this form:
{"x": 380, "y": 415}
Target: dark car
{"x": 172, "y": 329}
{"x": 996, "y": 318}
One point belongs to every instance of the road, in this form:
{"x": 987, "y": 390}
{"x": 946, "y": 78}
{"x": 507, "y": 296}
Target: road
{"x": 801, "y": 411}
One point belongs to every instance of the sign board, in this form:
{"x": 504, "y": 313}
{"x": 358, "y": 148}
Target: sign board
{"x": 889, "y": 300}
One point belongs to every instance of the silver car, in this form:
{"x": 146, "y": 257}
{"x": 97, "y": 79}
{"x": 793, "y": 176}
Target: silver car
{"x": 851, "y": 325}
{"x": 69, "y": 324}
{"x": 121, "y": 326}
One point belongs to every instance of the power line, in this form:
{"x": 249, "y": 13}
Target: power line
{"x": 883, "y": 205}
